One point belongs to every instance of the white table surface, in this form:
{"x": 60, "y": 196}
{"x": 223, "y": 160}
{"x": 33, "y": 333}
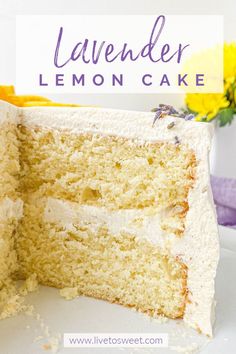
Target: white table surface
{"x": 18, "y": 334}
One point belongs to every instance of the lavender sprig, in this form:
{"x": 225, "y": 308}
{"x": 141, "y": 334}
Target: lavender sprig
{"x": 167, "y": 110}
{"x": 177, "y": 141}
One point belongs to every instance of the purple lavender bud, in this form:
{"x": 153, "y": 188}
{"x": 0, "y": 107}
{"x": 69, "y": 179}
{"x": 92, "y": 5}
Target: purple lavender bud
{"x": 157, "y": 116}
{"x": 189, "y": 116}
{"x": 173, "y": 111}
{"x": 177, "y": 141}
{"x": 167, "y": 110}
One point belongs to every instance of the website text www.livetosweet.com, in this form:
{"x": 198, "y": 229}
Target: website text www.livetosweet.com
{"x": 115, "y": 340}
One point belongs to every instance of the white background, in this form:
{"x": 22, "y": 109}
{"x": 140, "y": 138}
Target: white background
{"x": 9, "y": 8}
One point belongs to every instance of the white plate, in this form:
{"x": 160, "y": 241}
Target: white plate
{"x": 227, "y": 238}
{"x": 18, "y": 334}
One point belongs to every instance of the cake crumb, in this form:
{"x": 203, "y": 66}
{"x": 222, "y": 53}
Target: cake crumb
{"x": 69, "y": 293}
{"x": 161, "y": 319}
{"x": 30, "y": 285}
{"x": 53, "y": 344}
{"x": 13, "y": 306}
{"x": 52, "y": 339}
{"x": 29, "y": 310}
{"x": 47, "y": 346}
{"x": 13, "y": 297}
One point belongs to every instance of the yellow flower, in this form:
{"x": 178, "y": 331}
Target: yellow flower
{"x": 206, "y": 105}
{"x": 229, "y": 60}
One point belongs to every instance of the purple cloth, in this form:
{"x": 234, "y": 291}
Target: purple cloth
{"x": 224, "y": 194}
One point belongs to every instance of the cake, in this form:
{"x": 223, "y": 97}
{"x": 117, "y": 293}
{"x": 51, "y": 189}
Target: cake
{"x": 11, "y": 205}
{"x": 111, "y": 203}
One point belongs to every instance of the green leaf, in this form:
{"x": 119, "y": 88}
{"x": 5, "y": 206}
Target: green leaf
{"x": 226, "y": 116}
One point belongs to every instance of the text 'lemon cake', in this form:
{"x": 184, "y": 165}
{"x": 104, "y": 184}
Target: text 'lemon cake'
{"x": 106, "y": 201}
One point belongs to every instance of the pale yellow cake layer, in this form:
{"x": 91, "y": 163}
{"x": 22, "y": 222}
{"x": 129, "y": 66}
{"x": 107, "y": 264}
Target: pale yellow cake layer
{"x": 9, "y": 182}
{"x": 8, "y": 259}
{"x": 108, "y": 171}
{"x": 118, "y": 268}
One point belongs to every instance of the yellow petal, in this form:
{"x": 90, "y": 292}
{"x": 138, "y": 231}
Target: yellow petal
{"x": 7, "y": 90}
{"x": 48, "y": 104}
{"x": 199, "y": 117}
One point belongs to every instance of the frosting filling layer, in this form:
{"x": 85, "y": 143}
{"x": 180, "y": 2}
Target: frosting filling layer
{"x": 143, "y": 224}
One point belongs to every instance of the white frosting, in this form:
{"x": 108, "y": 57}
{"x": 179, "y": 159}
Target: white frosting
{"x": 11, "y": 209}
{"x": 133, "y": 221}
{"x": 198, "y": 248}
{"x": 8, "y": 113}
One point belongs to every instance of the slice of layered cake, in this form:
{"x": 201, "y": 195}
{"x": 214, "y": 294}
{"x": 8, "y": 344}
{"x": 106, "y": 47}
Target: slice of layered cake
{"x": 11, "y": 206}
{"x": 119, "y": 208}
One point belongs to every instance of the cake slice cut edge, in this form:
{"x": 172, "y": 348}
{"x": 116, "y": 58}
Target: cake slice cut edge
{"x": 120, "y": 208}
